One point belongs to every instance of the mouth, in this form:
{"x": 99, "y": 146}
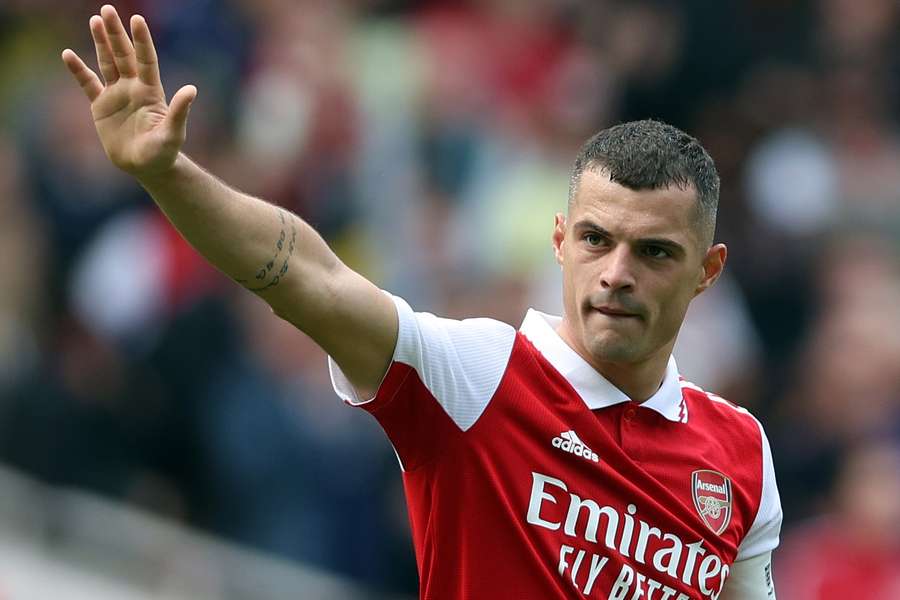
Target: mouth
{"x": 615, "y": 312}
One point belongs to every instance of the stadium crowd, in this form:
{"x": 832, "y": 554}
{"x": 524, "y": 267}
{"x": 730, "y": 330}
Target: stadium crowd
{"x": 431, "y": 142}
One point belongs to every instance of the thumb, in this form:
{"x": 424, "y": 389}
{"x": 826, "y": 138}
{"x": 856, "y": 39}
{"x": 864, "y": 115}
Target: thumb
{"x": 179, "y": 108}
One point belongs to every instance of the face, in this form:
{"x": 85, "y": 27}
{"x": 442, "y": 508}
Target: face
{"x": 632, "y": 262}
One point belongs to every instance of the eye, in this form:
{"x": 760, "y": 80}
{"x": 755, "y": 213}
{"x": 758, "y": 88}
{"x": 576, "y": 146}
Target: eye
{"x": 593, "y": 239}
{"x": 655, "y": 252}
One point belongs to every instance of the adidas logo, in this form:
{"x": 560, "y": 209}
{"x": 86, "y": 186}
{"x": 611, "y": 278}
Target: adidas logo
{"x": 568, "y": 441}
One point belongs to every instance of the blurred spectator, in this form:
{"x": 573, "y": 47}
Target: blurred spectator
{"x": 853, "y": 550}
{"x": 846, "y": 386}
{"x": 718, "y": 347}
{"x": 23, "y": 256}
{"x": 266, "y": 421}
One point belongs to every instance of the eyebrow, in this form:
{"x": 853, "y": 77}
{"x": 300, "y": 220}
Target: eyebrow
{"x": 671, "y": 245}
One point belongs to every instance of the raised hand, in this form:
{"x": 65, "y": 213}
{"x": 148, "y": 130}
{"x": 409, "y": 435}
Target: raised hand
{"x": 140, "y": 133}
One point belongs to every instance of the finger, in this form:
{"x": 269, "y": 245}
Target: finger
{"x": 104, "y": 51}
{"x": 144, "y": 51}
{"x": 179, "y": 108}
{"x": 123, "y": 51}
{"x": 86, "y": 78}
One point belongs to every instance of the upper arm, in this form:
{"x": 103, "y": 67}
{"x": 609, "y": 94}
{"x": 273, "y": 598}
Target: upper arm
{"x": 443, "y": 374}
{"x": 750, "y": 579}
{"x": 764, "y": 532}
{"x": 350, "y": 318}
{"x": 751, "y": 572}
{"x": 457, "y": 364}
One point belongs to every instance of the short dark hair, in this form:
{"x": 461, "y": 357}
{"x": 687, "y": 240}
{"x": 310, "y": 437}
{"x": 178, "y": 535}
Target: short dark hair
{"x": 649, "y": 154}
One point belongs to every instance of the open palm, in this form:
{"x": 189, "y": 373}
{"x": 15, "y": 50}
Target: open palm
{"x": 140, "y": 133}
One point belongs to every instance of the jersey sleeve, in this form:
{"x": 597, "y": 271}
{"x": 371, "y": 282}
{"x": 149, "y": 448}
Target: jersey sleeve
{"x": 750, "y": 579}
{"x": 763, "y": 535}
{"x": 442, "y": 376}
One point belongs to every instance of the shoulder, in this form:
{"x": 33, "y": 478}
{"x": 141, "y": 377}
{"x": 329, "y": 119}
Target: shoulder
{"x": 729, "y": 431}
{"x": 447, "y": 355}
{"x": 459, "y": 362}
{"x": 473, "y": 339}
{"x": 743, "y": 441}
{"x": 707, "y": 409}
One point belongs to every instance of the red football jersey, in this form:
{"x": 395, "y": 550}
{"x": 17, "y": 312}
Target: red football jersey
{"x": 529, "y": 475}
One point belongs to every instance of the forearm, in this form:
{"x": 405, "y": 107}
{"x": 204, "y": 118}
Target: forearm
{"x": 265, "y": 248}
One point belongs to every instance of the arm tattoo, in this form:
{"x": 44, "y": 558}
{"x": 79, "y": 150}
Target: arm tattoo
{"x": 276, "y": 268}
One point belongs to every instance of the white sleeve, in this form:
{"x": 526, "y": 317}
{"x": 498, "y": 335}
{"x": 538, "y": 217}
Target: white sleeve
{"x": 764, "y": 533}
{"x": 460, "y": 362}
{"x": 750, "y": 579}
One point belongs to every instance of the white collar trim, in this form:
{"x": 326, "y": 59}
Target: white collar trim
{"x": 595, "y": 390}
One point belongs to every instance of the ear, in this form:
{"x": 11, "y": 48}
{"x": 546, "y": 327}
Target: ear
{"x": 713, "y": 265}
{"x": 559, "y": 237}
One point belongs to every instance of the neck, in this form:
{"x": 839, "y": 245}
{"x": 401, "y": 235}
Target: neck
{"x": 637, "y": 380}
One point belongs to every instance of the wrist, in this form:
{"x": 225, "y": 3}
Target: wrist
{"x": 154, "y": 179}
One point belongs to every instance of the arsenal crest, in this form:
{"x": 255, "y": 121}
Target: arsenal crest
{"x": 712, "y": 498}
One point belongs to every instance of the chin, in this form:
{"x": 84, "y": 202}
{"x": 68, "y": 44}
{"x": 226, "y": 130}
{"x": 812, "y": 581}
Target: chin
{"x": 609, "y": 347}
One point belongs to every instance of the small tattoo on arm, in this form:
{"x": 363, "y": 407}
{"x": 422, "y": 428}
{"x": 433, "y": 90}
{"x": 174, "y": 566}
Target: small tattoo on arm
{"x": 265, "y": 277}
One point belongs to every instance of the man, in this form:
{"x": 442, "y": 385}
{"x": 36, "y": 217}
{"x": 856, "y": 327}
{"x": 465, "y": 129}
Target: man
{"x": 565, "y": 460}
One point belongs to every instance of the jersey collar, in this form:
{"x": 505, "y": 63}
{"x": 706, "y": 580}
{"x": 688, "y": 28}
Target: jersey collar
{"x": 594, "y": 389}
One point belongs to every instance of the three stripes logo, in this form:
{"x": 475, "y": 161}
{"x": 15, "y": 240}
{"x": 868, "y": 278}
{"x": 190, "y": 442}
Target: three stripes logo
{"x": 568, "y": 441}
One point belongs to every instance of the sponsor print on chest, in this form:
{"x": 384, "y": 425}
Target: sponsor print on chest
{"x": 606, "y": 552}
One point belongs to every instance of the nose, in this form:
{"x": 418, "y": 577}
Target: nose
{"x": 617, "y": 273}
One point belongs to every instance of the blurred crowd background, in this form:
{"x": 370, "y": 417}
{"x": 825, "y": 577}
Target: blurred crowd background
{"x": 430, "y": 142}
